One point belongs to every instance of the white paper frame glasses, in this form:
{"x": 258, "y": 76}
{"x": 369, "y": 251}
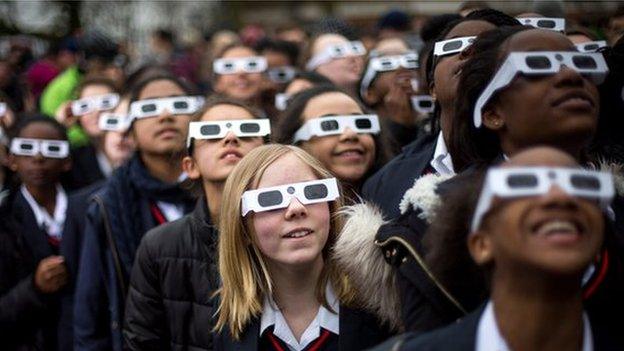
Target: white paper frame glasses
{"x": 282, "y": 74}
{"x": 176, "y": 105}
{"x": 252, "y": 64}
{"x": 277, "y": 197}
{"x": 242, "y": 128}
{"x": 536, "y": 181}
{"x": 385, "y": 64}
{"x": 452, "y": 46}
{"x": 47, "y": 148}
{"x": 591, "y": 46}
{"x": 114, "y": 122}
{"x": 336, "y": 51}
{"x": 94, "y": 103}
{"x": 534, "y": 63}
{"x": 549, "y": 23}
{"x": 334, "y": 125}
{"x": 423, "y": 103}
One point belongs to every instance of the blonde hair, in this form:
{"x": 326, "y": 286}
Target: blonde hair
{"x": 244, "y": 274}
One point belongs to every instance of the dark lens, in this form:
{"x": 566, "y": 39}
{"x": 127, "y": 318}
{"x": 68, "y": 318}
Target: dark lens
{"x": 281, "y": 75}
{"x": 452, "y": 45}
{"x": 84, "y": 106}
{"x": 148, "y": 108}
{"x": 546, "y": 24}
{"x": 425, "y": 103}
{"x": 516, "y": 181}
{"x": 26, "y": 146}
{"x": 112, "y": 121}
{"x": 210, "y": 129}
{"x": 228, "y": 65}
{"x": 538, "y": 62}
{"x": 329, "y": 125}
{"x": 584, "y": 62}
{"x": 585, "y": 182}
{"x": 250, "y": 127}
{"x": 386, "y": 64}
{"x": 363, "y": 123}
{"x": 270, "y": 198}
{"x": 54, "y": 148}
{"x": 180, "y": 105}
{"x": 591, "y": 47}
{"x": 338, "y": 50}
{"x": 252, "y": 64}
{"x": 315, "y": 191}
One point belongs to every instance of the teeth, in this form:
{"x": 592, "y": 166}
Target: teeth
{"x": 557, "y": 226}
{"x": 298, "y": 234}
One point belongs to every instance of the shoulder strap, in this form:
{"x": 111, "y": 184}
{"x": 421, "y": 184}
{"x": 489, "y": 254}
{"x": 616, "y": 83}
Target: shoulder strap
{"x": 112, "y": 246}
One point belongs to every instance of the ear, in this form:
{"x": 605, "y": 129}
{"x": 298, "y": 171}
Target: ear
{"x": 492, "y": 119}
{"x": 11, "y": 162}
{"x": 191, "y": 169}
{"x": 370, "y": 97}
{"x": 480, "y": 247}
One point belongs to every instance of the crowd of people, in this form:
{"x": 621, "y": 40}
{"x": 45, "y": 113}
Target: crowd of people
{"x": 456, "y": 188}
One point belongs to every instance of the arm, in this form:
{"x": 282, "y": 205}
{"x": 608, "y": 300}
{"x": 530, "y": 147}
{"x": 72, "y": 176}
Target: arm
{"x": 145, "y": 326}
{"x": 91, "y": 316}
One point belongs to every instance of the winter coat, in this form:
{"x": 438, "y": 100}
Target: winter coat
{"x": 117, "y": 218}
{"x": 170, "y": 303}
{"x": 386, "y": 187}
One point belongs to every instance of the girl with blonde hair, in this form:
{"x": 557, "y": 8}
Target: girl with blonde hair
{"x": 280, "y": 288}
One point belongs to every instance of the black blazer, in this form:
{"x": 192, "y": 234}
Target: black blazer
{"x": 358, "y": 331}
{"x": 85, "y": 168}
{"x": 462, "y": 336}
{"x": 387, "y": 187}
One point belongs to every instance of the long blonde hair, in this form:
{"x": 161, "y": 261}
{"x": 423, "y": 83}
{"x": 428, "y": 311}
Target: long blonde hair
{"x": 244, "y": 274}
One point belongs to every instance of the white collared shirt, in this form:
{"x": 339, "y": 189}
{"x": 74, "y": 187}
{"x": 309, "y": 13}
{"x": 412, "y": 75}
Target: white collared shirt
{"x": 442, "y": 162}
{"x": 489, "y": 337}
{"x": 271, "y": 315}
{"x": 53, "y": 225}
{"x": 104, "y": 164}
{"x": 172, "y": 211}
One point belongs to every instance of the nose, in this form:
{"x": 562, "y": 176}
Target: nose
{"x": 165, "y": 114}
{"x": 556, "y": 197}
{"x": 295, "y": 209}
{"x": 230, "y": 138}
{"x": 568, "y": 77}
{"x": 348, "y": 135}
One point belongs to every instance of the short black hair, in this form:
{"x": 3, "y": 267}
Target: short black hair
{"x": 469, "y": 145}
{"x": 27, "y": 119}
{"x": 436, "y": 25}
{"x": 287, "y": 48}
{"x": 164, "y": 35}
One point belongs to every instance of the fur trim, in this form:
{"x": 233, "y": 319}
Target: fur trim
{"x": 423, "y": 196}
{"x": 617, "y": 170}
{"x": 356, "y": 254}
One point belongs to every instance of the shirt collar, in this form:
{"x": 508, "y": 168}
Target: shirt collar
{"x": 104, "y": 163}
{"x": 53, "y": 225}
{"x": 489, "y": 337}
{"x": 442, "y": 161}
{"x": 272, "y": 316}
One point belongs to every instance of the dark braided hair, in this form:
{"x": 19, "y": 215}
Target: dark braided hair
{"x": 468, "y": 144}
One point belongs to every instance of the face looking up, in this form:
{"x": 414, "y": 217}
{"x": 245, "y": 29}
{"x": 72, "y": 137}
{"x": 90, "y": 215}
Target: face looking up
{"x": 344, "y": 72}
{"x": 559, "y": 109}
{"x": 213, "y": 159}
{"x": 165, "y": 133}
{"x": 348, "y": 155}
{"x": 295, "y": 235}
{"x": 555, "y": 233}
{"x": 239, "y": 85}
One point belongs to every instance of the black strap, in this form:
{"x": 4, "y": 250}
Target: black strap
{"x": 112, "y": 246}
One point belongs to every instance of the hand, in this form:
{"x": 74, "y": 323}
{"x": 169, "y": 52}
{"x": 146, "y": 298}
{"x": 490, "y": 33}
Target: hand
{"x": 51, "y": 274}
{"x": 65, "y": 116}
{"x": 398, "y": 103}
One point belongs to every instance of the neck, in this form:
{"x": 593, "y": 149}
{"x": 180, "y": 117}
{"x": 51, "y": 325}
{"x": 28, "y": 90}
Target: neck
{"x": 166, "y": 168}
{"x": 574, "y": 149}
{"x": 295, "y": 286}
{"x": 44, "y": 195}
{"x": 213, "y": 192}
{"x": 537, "y": 301}
{"x": 446, "y": 121}
{"x": 403, "y": 114}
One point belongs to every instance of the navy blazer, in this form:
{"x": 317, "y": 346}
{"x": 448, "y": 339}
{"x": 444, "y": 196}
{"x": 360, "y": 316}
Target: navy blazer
{"x": 358, "y": 330}
{"x": 462, "y": 336}
{"x": 387, "y": 186}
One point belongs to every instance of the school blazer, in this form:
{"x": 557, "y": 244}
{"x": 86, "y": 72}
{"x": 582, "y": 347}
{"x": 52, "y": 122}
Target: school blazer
{"x": 358, "y": 331}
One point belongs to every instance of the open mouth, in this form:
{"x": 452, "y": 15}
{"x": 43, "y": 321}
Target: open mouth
{"x": 298, "y": 233}
{"x": 350, "y": 153}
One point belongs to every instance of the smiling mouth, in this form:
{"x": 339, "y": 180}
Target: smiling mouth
{"x": 350, "y": 153}
{"x": 558, "y": 227}
{"x": 299, "y": 233}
